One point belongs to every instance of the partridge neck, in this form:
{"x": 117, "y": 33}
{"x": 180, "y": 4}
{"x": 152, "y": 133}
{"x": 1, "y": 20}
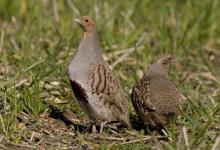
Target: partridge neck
{"x": 90, "y": 33}
{"x": 88, "y": 52}
{"x": 156, "y": 70}
{"x": 156, "y": 73}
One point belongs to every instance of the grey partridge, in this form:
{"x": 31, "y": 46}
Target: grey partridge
{"x": 96, "y": 89}
{"x": 155, "y": 98}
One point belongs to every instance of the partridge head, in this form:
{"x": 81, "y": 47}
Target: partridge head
{"x": 161, "y": 65}
{"x": 95, "y": 87}
{"x": 155, "y": 98}
{"x": 87, "y": 24}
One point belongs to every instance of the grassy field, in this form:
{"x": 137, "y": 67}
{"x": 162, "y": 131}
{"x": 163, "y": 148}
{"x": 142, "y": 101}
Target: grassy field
{"x": 38, "y": 38}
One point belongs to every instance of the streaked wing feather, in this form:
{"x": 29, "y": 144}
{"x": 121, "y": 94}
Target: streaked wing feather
{"x": 141, "y": 96}
{"x": 164, "y": 96}
{"x": 105, "y": 85}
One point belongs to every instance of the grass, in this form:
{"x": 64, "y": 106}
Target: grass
{"x": 38, "y": 38}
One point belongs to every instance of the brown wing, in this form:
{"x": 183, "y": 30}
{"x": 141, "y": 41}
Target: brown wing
{"x": 140, "y": 96}
{"x": 164, "y": 96}
{"x": 107, "y": 88}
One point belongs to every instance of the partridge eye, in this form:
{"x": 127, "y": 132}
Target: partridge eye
{"x": 86, "y": 20}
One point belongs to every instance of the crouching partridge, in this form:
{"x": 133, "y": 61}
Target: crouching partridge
{"x": 155, "y": 98}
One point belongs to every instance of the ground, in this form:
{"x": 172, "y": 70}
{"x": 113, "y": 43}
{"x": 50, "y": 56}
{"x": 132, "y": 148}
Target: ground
{"x": 38, "y": 39}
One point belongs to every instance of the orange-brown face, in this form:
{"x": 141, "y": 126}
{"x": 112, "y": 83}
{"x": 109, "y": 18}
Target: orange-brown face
{"x": 164, "y": 60}
{"x": 86, "y": 23}
{"x": 161, "y": 65}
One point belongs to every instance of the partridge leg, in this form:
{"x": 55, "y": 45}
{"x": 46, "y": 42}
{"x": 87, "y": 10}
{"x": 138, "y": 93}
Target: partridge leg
{"x": 102, "y": 126}
{"x": 94, "y": 130}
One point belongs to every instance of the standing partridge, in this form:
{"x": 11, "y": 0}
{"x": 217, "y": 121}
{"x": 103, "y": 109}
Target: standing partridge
{"x": 96, "y": 89}
{"x": 155, "y": 98}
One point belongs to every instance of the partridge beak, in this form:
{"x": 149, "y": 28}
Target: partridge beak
{"x": 77, "y": 20}
{"x": 80, "y": 24}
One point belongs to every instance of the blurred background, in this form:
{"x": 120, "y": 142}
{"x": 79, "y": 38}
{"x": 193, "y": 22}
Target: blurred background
{"x": 38, "y": 39}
